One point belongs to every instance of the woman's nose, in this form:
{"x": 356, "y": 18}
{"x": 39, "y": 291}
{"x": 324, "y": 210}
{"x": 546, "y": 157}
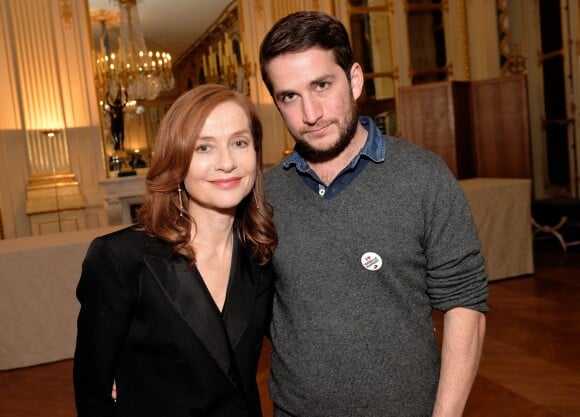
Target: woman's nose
{"x": 226, "y": 161}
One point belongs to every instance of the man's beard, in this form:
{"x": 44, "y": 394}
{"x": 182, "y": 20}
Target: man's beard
{"x": 345, "y": 137}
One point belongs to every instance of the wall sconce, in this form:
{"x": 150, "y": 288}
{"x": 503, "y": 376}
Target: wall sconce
{"x": 50, "y": 136}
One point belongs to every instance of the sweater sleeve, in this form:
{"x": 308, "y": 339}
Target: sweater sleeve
{"x": 456, "y": 274}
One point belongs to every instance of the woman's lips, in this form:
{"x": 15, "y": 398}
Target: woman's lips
{"x": 227, "y": 182}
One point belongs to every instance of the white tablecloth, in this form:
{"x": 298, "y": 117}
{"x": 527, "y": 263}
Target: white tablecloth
{"x": 38, "y": 308}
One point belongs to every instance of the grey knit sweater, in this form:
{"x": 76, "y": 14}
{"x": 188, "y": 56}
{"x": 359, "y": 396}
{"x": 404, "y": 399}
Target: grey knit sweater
{"x": 352, "y": 335}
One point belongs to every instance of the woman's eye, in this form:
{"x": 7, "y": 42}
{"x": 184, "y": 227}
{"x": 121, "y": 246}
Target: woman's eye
{"x": 202, "y": 148}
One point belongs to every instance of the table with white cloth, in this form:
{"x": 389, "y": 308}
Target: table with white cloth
{"x": 38, "y": 307}
{"x": 501, "y": 209}
{"x": 39, "y": 275}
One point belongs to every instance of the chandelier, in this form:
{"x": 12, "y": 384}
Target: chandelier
{"x": 132, "y": 71}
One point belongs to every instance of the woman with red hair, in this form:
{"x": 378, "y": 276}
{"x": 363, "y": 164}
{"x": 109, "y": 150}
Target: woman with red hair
{"x": 174, "y": 308}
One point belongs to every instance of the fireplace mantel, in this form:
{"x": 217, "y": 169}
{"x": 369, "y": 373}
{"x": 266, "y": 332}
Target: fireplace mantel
{"x": 120, "y": 194}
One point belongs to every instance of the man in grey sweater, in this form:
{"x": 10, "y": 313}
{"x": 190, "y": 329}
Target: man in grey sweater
{"x": 374, "y": 233}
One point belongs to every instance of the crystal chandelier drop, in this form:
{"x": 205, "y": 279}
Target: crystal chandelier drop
{"x": 132, "y": 71}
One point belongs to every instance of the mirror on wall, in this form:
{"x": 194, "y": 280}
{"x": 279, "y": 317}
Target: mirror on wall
{"x": 135, "y": 44}
{"x": 370, "y": 29}
{"x": 141, "y": 122}
{"x": 427, "y": 41}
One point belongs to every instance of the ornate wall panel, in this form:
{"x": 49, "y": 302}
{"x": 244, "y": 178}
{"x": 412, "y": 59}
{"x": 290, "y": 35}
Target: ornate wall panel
{"x": 48, "y": 79}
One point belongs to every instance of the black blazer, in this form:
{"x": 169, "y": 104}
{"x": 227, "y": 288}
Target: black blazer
{"x": 148, "y": 322}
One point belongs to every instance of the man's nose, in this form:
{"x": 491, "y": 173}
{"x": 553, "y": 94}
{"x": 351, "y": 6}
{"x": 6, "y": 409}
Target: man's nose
{"x": 311, "y": 110}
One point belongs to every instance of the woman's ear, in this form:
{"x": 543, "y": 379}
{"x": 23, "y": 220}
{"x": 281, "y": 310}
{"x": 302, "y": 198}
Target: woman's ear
{"x": 356, "y": 80}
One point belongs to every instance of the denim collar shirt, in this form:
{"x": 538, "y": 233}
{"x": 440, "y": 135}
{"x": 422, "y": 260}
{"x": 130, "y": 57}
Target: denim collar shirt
{"x": 373, "y": 150}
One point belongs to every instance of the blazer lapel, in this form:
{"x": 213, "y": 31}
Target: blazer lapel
{"x": 190, "y": 297}
{"x": 239, "y": 308}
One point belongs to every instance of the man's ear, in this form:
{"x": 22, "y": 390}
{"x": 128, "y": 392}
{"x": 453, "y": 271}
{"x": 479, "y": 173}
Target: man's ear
{"x": 356, "y": 80}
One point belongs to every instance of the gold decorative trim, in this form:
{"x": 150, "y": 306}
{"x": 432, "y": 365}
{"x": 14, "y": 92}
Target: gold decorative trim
{"x": 396, "y": 75}
{"x": 1, "y": 226}
{"x": 465, "y": 37}
{"x": 110, "y": 17}
{"x": 516, "y": 62}
{"x": 66, "y": 12}
{"x": 504, "y": 33}
{"x": 259, "y": 8}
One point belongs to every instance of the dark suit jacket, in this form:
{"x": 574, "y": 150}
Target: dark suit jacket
{"x": 148, "y": 322}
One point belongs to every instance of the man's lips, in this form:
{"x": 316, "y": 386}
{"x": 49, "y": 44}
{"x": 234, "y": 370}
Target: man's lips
{"x": 317, "y": 131}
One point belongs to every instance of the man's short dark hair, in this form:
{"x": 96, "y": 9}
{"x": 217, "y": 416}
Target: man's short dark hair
{"x": 300, "y": 31}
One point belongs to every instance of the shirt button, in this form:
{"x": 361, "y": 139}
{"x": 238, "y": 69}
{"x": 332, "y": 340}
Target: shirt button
{"x": 321, "y": 192}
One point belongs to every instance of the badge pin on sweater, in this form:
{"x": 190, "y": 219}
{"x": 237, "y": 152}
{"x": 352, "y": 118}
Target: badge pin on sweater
{"x": 371, "y": 261}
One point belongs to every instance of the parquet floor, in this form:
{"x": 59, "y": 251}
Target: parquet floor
{"x": 530, "y": 365}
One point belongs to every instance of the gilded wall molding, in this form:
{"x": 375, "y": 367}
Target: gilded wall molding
{"x": 465, "y": 38}
{"x": 259, "y": 8}
{"x": 66, "y": 12}
{"x": 504, "y": 35}
{"x": 1, "y": 226}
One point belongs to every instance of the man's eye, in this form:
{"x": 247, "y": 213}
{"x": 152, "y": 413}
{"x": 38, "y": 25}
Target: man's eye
{"x": 288, "y": 97}
{"x": 241, "y": 143}
{"x": 323, "y": 85}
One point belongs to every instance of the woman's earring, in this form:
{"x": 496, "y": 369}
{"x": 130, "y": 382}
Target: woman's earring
{"x": 256, "y": 199}
{"x": 180, "y": 200}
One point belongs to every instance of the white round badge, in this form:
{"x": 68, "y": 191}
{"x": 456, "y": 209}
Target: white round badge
{"x": 371, "y": 261}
